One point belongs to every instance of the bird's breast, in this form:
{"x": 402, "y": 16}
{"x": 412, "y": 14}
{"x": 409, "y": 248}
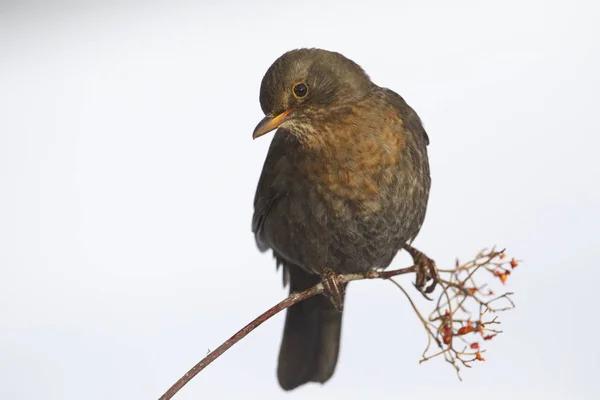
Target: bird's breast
{"x": 350, "y": 182}
{"x": 352, "y": 158}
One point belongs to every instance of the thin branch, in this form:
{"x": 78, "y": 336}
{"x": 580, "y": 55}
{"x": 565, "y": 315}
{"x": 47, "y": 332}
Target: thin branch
{"x": 288, "y": 302}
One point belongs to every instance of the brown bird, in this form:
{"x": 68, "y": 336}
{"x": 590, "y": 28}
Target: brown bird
{"x": 344, "y": 187}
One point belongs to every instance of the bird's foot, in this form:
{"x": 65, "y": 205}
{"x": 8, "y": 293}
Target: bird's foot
{"x": 334, "y": 288}
{"x": 426, "y": 271}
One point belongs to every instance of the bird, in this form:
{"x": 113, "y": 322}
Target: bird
{"x": 344, "y": 187}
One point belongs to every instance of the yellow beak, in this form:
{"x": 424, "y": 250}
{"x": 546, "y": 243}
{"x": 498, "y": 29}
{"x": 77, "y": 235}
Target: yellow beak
{"x": 269, "y": 122}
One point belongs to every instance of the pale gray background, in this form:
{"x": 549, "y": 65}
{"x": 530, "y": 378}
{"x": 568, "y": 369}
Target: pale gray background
{"x": 127, "y": 173}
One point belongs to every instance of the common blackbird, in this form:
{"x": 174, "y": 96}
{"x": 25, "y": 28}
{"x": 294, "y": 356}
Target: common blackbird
{"x": 344, "y": 187}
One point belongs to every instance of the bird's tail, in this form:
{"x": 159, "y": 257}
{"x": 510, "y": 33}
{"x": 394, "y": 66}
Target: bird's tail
{"x": 311, "y": 337}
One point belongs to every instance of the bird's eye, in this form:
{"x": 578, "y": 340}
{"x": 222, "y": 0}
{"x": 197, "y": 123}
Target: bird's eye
{"x": 300, "y": 90}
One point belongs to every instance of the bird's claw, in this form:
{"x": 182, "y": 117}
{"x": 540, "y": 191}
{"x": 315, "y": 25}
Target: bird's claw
{"x": 333, "y": 288}
{"x": 426, "y": 271}
{"x": 423, "y": 292}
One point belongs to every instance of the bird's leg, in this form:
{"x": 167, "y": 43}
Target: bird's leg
{"x": 334, "y": 289}
{"x": 426, "y": 271}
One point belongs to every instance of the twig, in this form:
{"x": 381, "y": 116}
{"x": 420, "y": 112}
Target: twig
{"x": 288, "y": 302}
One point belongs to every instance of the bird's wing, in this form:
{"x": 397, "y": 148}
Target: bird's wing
{"x": 412, "y": 125}
{"x": 266, "y": 195}
{"x": 411, "y": 120}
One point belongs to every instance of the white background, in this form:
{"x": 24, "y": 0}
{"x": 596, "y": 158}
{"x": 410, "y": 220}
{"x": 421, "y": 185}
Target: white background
{"x": 127, "y": 174}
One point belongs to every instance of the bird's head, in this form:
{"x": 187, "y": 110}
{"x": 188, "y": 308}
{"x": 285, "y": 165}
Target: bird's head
{"x": 303, "y": 85}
